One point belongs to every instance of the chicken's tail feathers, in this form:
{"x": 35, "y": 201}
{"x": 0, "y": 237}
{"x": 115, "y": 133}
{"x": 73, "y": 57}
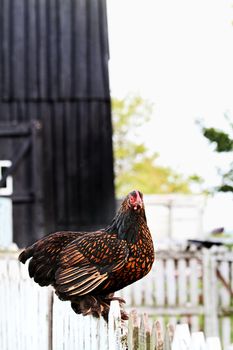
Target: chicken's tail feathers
{"x": 26, "y": 254}
{"x": 43, "y": 255}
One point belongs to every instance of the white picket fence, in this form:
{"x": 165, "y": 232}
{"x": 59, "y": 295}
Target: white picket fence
{"x": 189, "y": 287}
{"x": 32, "y": 318}
{"x": 193, "y": 288}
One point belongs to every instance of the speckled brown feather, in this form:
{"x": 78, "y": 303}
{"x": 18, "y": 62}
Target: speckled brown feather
{"x": 84, "y": 265}
{"x": 87, "y": 268}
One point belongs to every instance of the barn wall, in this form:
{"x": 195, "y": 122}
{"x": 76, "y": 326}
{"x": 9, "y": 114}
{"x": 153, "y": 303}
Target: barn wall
{"x": 54, "y": 68}
{"x": 53, "y": 50}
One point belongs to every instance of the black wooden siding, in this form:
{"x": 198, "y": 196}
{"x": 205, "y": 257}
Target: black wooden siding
{"x": 54, "y": 68}
{"x": 53, "y": 50}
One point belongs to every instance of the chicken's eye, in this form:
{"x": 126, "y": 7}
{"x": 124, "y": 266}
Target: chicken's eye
{"x": 132, "y": 199}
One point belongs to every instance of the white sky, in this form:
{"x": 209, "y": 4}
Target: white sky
{"x": 179, "y": 55}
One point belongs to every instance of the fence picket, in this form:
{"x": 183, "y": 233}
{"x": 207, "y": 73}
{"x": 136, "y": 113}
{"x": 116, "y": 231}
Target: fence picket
{"x": 133, "y": 330}
{"x": 159, "y": 341}
{"x": 87, "y": 332}
{"x": 2, "y": 305}
{"x": 148, "y": 291}
{"x": 142, "y": 334}
{"x": 182, "y": 282}
{"x": 169, "y": 337}
{"x": 194, "y": 291}
{"x": 159, "y": 282}
{"x": 114, "y": 326}
{"x": 126, "y": 294}
{"x": 198, "y": 341}
{"x": 225, "y": 300}
{"x": 210, "y": 293}
{"x": 171, "y": 286}
{"x": 57, "y": 325}
{"x": 138, "y": 292}
{"x": 182, "y": 285}
{"x": 103, "y": 331}
{"x": 213, "y": 343}
{"x": 171, "y": 282}
{"x": 182, "y": 338}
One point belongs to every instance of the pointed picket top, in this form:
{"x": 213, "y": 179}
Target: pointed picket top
{"x": 182, "y": 337}
{"x": 158, "y": 335}
{"x": 169, "y": 334}
{"x": 145, "y": 333}
{"x": 133, "y": 330}
{"x": 148, "y": 331}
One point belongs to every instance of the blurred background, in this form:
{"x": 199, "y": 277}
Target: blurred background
{"x": 98, "y": 98}
{"x": 171, "y": 82}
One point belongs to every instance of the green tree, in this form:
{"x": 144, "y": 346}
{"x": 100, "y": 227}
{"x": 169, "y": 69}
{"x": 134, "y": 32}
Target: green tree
{"x": 223, "y": 142}
{"x": 135, "y": 167}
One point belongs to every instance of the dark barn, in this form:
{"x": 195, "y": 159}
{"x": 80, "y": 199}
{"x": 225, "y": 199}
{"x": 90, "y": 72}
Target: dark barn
{"x": 55, "y": 115}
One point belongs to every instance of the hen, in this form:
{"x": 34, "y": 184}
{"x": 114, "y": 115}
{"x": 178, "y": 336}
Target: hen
{"x": 86, "y": 268}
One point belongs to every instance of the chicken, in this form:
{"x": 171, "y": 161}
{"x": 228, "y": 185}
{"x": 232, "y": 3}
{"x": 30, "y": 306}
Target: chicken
{"x": 86, "y": 268}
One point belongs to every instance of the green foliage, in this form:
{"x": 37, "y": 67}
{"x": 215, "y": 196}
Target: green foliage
{"x": 222, "y": 140}
{"x": 135, "y": 167}
{"x": 227, "y": 181}
{"x": 224, "y": 143}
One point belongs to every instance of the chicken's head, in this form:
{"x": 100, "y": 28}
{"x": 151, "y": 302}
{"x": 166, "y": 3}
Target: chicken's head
{"x": 135, "y": 200}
